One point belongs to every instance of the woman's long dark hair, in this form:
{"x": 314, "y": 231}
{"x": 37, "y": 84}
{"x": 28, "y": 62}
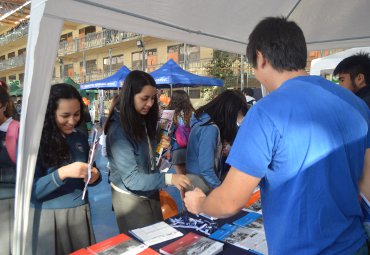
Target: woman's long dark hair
{"x": 223, "y": 111}
{"x": 180, "y": 102}
{"x": 131, "y": 120}
{"x": 6, "y": 100}
{"x": 53, "y": 147}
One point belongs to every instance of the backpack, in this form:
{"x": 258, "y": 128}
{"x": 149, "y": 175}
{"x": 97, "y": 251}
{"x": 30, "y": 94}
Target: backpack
{"x": 182, "y": 133}
{"x": 11, "y": 140}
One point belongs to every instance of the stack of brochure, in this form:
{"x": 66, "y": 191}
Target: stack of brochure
{"x": 192, "y": 243}
{"x": 156, "y": 233}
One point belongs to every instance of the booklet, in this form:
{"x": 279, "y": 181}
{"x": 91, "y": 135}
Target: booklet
{"x": 91, "y": 159}
{"x": 192, "y": 243}
{"x": 156, "y": 233}
{"x": 164, "y": 125}
{"x": 120, "y": 244}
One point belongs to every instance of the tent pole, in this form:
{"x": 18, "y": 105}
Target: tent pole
{"x": 241, "y": 72}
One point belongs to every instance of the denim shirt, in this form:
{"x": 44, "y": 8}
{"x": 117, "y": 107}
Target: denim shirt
{"x": 130, "y": 168}
{"x": 201, "y": 150}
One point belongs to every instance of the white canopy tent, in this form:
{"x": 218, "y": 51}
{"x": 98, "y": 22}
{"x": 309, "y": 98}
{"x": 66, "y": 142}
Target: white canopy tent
{"x": 328, "y": 64}
{"x": 220, "y": 24}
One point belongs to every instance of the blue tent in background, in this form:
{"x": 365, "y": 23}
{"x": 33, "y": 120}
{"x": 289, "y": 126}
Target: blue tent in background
{"x": 111, "y": 82}
{"x": 171, "y": 75}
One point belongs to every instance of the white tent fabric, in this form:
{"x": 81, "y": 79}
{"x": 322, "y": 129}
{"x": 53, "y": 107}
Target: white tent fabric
{"x": 329, "y": 63}
{"x": 220, "y": 24}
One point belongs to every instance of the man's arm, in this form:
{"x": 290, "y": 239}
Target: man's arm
{"x": 227, "y": 199}
{"x": 365, "y": 180}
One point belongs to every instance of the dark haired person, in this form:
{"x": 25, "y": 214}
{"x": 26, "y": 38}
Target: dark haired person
{"x": 248, "y": 93}
{"x": 180, "y": 103}
{"x": 8, "y": 142}
{"x": 307, "y": 152}
{"x": 131, "y": 130}
{"x": 212, "y": 125}
{"x": 60, "y": 220}
{"x": 354, "y": 74}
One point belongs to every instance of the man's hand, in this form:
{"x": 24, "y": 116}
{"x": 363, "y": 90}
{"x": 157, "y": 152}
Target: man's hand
{"x": 95, "y": 174}
{"x": 194, "y": 200}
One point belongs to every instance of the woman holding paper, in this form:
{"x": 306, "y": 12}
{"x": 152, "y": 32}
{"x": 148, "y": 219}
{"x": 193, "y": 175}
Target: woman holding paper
{"x": 131, "y": 130}
{"x": 60, "y": 221}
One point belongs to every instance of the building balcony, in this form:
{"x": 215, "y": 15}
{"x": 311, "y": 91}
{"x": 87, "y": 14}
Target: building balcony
{"x": 14, "y": 62}
{"x": 94, "y": 40}
{"x": 17, "y": 33}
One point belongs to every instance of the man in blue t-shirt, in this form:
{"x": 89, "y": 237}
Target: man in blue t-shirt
{"x": 305, "y": 144}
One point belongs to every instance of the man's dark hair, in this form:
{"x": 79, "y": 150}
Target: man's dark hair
{"x": 248, "y": 91}
{"x": 281, "y": 42}
{"x": 354, "y": 65}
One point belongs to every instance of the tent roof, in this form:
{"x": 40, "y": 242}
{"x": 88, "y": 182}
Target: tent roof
{"x": 330, "y": 62}
{"x": 172, "y": 75}
{"x": 223, "y": 24}
{"x": 111, "y": 82}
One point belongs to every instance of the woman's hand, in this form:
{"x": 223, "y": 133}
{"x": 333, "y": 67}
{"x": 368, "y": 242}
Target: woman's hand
{"x": 165, "y": 141}
{"x": 74, "y": 170}
{"x": 95, "y": 174}
{"x": 180, "y": 181}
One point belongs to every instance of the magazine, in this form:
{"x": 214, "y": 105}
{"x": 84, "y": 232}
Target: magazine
{"x": 247, "y": 219}
{"x": 164, "y": 125}
{"x": 122, "y": 245}
{"x": 156, "y": 233}
{"x": 193, "y": 244}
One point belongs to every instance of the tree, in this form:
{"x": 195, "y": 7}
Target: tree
{"x": 221, "y": 66}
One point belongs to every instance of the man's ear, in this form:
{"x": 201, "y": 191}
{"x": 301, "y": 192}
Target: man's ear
{"x": 360, "y": 81}
{"x": 261, "y": 60}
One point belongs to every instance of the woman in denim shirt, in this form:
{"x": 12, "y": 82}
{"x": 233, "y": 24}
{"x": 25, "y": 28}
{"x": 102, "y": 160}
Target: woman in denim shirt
{"x": 131, "y": 130}
{"x": 213, "y": 125}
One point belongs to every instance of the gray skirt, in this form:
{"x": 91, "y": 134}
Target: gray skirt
{"x": 6, "y": 225}
{"x": 135, "y": 212}
{"x": 59, "y": 231}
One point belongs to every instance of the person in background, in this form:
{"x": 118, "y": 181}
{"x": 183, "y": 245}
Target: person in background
{"x": 354, "y": 74}
{"x": 248, "y": 93}
{"x": 131, "y": 130}
{"x": 60, "y": 220}
{"x": 180, "y": 102}
{"x": 7, "y": 168}
{"x": 213, "y": 125}
{"x": 307, "y": 152}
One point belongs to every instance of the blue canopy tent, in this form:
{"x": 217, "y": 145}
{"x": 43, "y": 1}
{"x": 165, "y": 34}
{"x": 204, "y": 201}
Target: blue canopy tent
{"x": 111, "y": 82}
{"x": 171, "y": 75}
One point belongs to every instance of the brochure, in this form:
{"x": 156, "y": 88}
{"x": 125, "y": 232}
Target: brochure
{"x": 164, "y": 125}
{"x": 156, "y": 233}
{"x": 120, "y": 244}
{"x": 193, "y": 244}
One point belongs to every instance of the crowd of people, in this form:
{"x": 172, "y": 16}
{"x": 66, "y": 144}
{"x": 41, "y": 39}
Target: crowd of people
{"x": 305, "y": 145}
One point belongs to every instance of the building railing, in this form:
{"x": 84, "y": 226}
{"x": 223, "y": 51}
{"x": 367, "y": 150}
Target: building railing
{"x": 15, "y": 34}
{"x": 94, "y": 40}
{"x": 13, "y": 62}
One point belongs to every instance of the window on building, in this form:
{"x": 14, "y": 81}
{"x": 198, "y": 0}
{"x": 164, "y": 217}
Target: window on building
{"x": 90, "y": 66}
{"x": 12, "y": 77}
{"x": 151, "y": 60}
{"x": 136, "y": 60}
{"x": 21, "y": 78}
{"x": 176, "y": 52}
{"x": 86, "y": 30}
{"x": 11, "y": 54}
{"x": 21, "y": 51}
{"x": 67, "y": 70}
{"x": 194, "y": 93}
{"x": 2, "y": 57}
{"x": 117, "y": 63}
{"x": 3, "y": 79}
{"x": 66, "y": 37}
{"x": 194, "y": 53}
